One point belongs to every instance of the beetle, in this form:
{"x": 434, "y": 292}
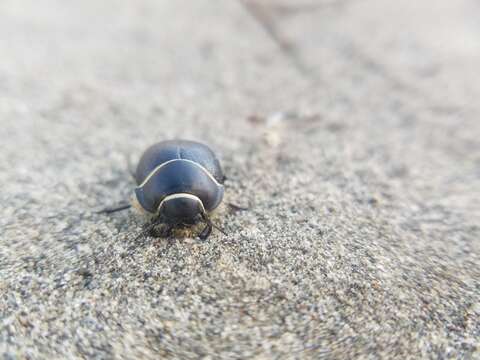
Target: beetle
{"x": 179, "y": 182}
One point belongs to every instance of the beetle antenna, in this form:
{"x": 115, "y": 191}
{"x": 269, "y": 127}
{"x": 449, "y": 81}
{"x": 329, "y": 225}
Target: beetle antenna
{"x": 219, "y": 229}
{"x": 209, "y": 222}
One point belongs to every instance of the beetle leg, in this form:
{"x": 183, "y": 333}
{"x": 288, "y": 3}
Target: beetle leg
{"x": 206, "y": 231}
{"x": 111, "y": 210}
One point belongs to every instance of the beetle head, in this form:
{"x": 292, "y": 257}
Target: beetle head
{"x": 181, "y": 209}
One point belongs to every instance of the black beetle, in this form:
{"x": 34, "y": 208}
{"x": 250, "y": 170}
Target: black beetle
{"x": 179, "y": 182}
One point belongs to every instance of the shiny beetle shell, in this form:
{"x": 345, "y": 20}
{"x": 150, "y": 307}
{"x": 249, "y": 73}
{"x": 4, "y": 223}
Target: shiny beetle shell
{"x": 172, "y": 175}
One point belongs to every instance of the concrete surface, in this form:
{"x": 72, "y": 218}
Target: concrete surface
{"x": 350, "y": 128}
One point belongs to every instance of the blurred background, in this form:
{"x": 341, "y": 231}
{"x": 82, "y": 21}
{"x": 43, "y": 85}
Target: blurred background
{"x": 349, "y": 128}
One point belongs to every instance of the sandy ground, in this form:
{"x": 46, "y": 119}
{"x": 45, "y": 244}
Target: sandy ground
{"x": 350, "y": 129}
